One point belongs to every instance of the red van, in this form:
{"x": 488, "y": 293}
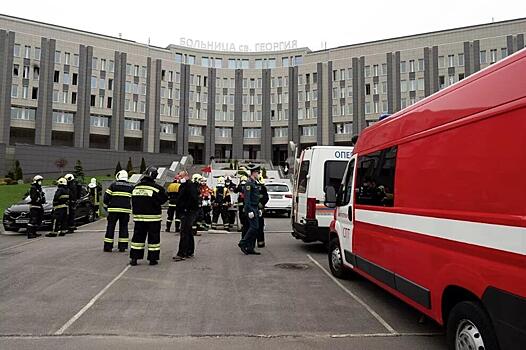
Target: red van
{"x": 432, "y": 208}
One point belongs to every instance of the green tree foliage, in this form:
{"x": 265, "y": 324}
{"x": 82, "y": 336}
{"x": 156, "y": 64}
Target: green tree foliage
{"x": 78, "y": 172}
{"x": 118, "y": 167}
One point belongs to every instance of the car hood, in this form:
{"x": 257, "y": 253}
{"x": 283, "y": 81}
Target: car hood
{"x": 22, "y": 207}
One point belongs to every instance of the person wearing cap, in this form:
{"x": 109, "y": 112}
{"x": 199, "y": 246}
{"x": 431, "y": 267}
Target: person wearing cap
{"x": 199, "y": 218}
{"x": 117, "y": 199}
{"x": 263, "y": 200}
{"x": 60, "y": 209}
{"x": 73, "y": 196}
{"x": 231, "y": 212}
{"x": 173, "y": 193}
{"x": 95, "y": 191}
{"x": 36, "y": 200}
{"x": 188, "y": 204}
{"x": 147, "y": 198}
{"x": 251, "y": 201}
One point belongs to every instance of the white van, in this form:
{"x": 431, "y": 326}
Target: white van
{"x": 319, "y": 167}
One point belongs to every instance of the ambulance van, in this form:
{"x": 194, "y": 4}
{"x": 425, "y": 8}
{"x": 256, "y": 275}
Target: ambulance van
{"x": 432, "y": 208}
{"x": 319, "y": 167}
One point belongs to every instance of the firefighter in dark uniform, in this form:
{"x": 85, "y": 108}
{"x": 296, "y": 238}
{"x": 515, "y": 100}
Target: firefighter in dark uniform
{"x": 117, "y": 199}
{"x": 231, "y": 212}
{"x": 173, "y": 192}
{"x": 220, "y": 201}
{"x": 240, "y": 199}
{"x": 147, "y": 198}
{"x": 263, "y": 200}
{"x": 251, "y": 201}
{"x": 37, "y": 199}
{"x": 60, "y": 209}
{"x": 95, "y": 192}
{"x": 73, "y": 196}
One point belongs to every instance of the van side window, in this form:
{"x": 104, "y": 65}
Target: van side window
{"x": 375, "y": 178}
{"x": 302, "y": 177}
{"x": 333, "y": 174}
{"x": 347, "y": 189}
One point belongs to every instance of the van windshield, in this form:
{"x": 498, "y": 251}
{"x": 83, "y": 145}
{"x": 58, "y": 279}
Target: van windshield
{"x": 302, "y": 177}
{"x": 333, "y": 173}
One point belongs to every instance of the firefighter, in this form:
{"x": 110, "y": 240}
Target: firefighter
{"x": 173, "y": 192}
{"x": 198, "y": 222}
{"x": 251, "y": 201}
{"x": 73, "y": 196}
{"x": 37, "y": 199}
{"x": 117, "y": 199}
{"x": 263, "y": 200}
{"x": 206, "y": 203}
{"x": 240, "y": 199}
{"x": 220, "y": 201}
{"x": 188, "y": 204}
{"x": 95, "y": 191}
{"x": 60, "y": 209}
{"x": 147, "y": 198}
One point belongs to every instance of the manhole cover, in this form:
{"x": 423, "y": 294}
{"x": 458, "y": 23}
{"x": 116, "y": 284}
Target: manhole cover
{"x": 293, "y": 266}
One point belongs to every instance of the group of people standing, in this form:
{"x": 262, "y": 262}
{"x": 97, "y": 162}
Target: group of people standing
{"x": 192, "y": 206}
{"x": 64, "y": 202}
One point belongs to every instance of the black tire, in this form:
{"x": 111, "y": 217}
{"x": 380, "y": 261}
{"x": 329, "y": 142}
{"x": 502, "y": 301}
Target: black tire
{"x": 468, "y": 321}
{"x": 335, "y": 254}
{"x": 91, "y": 215}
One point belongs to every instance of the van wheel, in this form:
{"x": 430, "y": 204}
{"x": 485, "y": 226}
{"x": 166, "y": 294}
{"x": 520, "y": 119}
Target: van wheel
{"x": 336, "y": 259}
{"x": 469, "y": 327}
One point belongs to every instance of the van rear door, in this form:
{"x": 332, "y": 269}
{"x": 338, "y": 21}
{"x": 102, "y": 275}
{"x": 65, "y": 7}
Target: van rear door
{"x": 300, "y": 200}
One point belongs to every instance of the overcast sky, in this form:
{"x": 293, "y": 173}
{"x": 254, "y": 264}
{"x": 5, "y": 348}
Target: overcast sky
{"x": 248, "y": 22}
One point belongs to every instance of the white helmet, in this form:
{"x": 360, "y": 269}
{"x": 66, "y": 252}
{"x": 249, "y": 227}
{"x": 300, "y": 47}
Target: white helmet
{"x": 122, "y": 176}
{"x": 37, "y": 178}
{"x": 69, "y": 177}
{"x": 196, "y": 178}
{"x": 93, "y": 183}
{"x": 221, "y": 181}
{"x": 62, "y": 181}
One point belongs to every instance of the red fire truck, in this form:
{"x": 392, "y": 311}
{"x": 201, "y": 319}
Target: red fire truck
{"x": 432, "y": 208}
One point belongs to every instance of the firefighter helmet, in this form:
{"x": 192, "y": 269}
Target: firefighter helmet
{"x": 62, "y": 181}
{"x": 196, "y": 177}
{"x": 221, "y": 181}
{"x": 69, "y": 177}
{"x": 122, "y": 175}
{"x": 37, "y": 178}
{"x": 151, "y": 172}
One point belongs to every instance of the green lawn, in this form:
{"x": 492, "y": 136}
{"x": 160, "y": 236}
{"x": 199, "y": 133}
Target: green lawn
{"x": 10, "y": 194}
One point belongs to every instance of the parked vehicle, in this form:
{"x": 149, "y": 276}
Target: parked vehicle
{"x": 280, "y": 198}
{"x": 431, "y": 208}
{"x": 17, "y": 215}
{"x": 319, "y": 167}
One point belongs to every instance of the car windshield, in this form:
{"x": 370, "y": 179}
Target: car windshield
{"x": 277, "y": 188}
{"x": 49, "y": 192}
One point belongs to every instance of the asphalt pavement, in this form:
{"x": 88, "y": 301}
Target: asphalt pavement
{"x": 65, "y": 292}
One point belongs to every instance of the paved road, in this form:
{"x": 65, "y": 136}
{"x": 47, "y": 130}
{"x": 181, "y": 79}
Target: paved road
{"x": 60, "y": 293}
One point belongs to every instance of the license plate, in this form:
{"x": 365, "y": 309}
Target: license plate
{"x": 276, "y": 196}
{"x": 22, "y": 221}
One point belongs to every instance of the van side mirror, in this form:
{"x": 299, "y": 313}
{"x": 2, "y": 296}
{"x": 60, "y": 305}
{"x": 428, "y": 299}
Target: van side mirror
{"x": 330, "y": 197}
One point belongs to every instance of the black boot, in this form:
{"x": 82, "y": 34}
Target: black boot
{"x": 153, "y": 262}
{"x": 133, "y": 262}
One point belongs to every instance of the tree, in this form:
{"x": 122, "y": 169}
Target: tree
{"x": 78, "y": 172}
{"x": 129, "y": 166}
{"x": 61, "y": 164}
{"x": 118, "y": 167}
{"x": 143, "y": 166}
{"x": 18, "y": 171}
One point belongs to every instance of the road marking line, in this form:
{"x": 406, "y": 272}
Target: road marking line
{"x": 355, "y": 297}
{"x": 90, "y": 303}
{"x": 21, "y": 244}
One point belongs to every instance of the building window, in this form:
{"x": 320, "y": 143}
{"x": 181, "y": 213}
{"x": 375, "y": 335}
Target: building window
{"x": 367, "y": 71}
{"x": 309, "y": 131}
{"x": 195, "y": 130}
{"x": 384, "y": 70}
{"x": 411, "y": 66}
{"x": 27, "y": 51}
{"x": 451, "y": 61}
{"x": 99, "y": 121}
{"x": 403, "y": 86}
{"x": 493, "y": 55}
{"x": 167, "y": 128}
{"x": 420, "y": 83}
{"x": 92, "y": 100}
{"x": 367, "y": 107}
{"x": 285, "y": 61}
{"x": 93, "y": 82}
{"x": 25, "y": 72}
{"x": 503, "y": 52}
{"x": 132, "y": 124}
{"x": 111, "y": 66}
{"x": 61, "y": 117}
{"x": 403, "y": 67}
{"x": 37, "y": 53}
{"x": 25, "y": 91}
{"x": 412, "y": 85}
{"x": 421, "y": 65}
{"x": 76, "y": 60}
{"x": 280, "y": 132}
{"x": 55, "y": 96}
{"x": 251, "y": 133}
{"x": 483, "y": 59}
{"x": 94, "y": 63}
{"x": 16, "y": 50}
{"x": 223, "y": 132}
{"x": 14, "y": 91}
{"x": 460, "y": 59}
{"x": 384, "y": 87}
{"x": 23, "y": 113}
{"x": 34, "y": 94}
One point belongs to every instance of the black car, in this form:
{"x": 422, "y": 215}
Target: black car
{"x": 17, "y": 215}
